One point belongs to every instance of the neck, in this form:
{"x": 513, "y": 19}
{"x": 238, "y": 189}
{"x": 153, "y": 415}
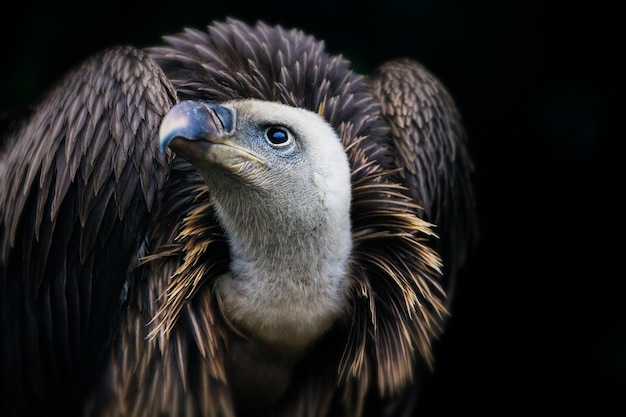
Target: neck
{"x": 288, "y": 277}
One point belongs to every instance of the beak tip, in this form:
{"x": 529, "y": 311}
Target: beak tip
{"x": 165, "y": 137}
{"x": 176, "y": 122}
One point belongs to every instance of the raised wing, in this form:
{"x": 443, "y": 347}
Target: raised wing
{"x": 79, "y": 180}
{"x": 430, "y": 145}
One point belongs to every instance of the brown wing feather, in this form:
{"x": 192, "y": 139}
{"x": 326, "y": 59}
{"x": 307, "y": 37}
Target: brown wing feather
{"x": 429, "y": 144}
{"x": 79, "y": 181}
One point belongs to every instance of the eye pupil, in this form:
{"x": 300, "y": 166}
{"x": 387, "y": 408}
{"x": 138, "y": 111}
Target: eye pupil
{"x": 277, "y": 135}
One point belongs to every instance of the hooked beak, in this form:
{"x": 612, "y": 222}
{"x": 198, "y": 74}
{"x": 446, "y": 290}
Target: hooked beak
{"x": 203, "y": 133}
{"x": 194, "y": 121}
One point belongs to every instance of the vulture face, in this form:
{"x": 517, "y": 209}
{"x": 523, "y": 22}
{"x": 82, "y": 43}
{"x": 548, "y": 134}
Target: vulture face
{"x": 280, "y": 181}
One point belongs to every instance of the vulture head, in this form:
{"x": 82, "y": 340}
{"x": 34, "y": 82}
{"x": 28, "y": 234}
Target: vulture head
{"x": 233, "y": 223}
{"x": 280, "y": 182}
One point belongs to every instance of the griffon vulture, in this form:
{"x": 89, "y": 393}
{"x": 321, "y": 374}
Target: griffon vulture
{"x": 233, "y": 223}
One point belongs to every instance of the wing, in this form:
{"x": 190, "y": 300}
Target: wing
{"x": 429, "y": 143}
{"x": 80, "y": 178}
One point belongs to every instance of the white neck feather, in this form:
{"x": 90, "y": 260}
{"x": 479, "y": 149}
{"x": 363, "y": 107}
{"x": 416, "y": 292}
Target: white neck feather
{"x": 289, "y": 272}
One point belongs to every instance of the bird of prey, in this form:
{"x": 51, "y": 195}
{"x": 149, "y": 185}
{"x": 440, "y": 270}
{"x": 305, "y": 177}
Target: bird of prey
{"x": 232, "y": 223}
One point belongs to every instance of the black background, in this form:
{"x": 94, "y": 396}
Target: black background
{"x": 538, "y": 321}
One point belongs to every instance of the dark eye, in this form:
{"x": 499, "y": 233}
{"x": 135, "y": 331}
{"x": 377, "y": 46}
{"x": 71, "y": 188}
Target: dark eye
{"x": 278, "y": 136}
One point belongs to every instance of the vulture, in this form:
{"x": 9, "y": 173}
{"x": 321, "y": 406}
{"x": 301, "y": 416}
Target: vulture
{"x": 232, "y": 223}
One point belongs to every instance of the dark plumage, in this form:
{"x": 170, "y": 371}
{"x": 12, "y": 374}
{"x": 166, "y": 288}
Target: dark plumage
{"x": 122, "y": 268}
